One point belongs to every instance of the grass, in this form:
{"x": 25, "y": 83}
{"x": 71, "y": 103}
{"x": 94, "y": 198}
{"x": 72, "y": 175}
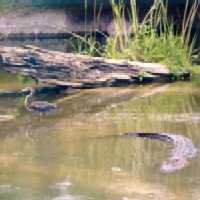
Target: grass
{"x": 155, "y": 38}
{"x": 87, "y": 45}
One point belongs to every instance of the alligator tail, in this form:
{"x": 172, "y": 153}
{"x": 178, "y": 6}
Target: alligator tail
{"x": 157, "y": 136}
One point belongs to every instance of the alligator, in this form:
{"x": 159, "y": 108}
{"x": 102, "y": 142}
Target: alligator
{"x": 182, "y": 151}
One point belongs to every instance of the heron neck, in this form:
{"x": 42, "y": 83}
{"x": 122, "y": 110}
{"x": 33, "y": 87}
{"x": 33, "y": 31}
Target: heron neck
{"x": 28, "y": 100}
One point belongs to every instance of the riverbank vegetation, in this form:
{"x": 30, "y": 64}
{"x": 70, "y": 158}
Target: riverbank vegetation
{"x": 155, "y": 38}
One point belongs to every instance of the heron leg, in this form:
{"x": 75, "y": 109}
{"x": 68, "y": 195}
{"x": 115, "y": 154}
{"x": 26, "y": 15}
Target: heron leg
{"x": 28, "y": 130}
{"x": 42, "y": 114}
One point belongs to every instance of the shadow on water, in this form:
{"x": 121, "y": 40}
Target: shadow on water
{"x": 59, "y": 157}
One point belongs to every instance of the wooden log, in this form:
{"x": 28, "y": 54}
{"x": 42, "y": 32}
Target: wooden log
{"x": 44, "y": 90}
{"x": 79, "y": 71}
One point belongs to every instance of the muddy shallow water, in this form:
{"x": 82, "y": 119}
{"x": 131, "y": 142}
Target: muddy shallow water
{"x": 61, "y": 157}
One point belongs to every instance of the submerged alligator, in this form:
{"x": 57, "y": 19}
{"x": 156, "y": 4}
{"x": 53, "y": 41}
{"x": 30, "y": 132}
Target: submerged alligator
{"x": 183, "y": 150}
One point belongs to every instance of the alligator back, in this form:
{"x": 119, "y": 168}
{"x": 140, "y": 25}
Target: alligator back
{"x": 183, "y": 149}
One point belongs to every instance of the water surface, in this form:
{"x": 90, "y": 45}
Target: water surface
{"x": 63, "y": 157}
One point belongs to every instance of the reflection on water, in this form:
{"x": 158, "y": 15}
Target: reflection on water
{"x": 61, "y": 157}
{"x": 10, "y": 82}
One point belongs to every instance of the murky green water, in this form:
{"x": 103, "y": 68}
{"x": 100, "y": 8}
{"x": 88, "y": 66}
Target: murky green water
{"x": 60, "y": 157}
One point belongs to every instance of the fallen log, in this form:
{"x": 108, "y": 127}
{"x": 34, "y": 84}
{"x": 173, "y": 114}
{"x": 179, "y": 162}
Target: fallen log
{"x": 44, "y": 90}
{"x": 79, "y": 71}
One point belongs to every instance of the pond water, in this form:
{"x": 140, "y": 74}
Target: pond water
{"x": 68, "y": 156}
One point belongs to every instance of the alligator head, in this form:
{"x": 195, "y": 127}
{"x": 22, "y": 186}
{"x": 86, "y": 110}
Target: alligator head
{"x": 173, "y": 164}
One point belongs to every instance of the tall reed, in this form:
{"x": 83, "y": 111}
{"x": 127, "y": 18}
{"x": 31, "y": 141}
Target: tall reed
{"x": 155, "y": 38}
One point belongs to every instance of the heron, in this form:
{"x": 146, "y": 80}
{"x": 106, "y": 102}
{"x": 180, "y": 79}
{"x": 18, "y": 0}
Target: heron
{"x": 41, "y": 107}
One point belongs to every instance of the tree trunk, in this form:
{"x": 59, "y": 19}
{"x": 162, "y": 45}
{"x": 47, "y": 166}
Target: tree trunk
{"x": 79, "y": 71}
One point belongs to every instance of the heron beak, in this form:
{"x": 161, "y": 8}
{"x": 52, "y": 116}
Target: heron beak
{"x": 24, "y": 90}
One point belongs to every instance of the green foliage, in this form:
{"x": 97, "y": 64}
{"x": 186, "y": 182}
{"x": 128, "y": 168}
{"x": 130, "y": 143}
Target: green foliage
{"x": 155, "y": 39}
{"x": 24, "y": 79}
{"x": 141, "y": 75}
{"x": 87, "y": 45}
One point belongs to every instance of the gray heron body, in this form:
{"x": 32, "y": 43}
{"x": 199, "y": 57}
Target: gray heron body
{"x": 41, "y": 107}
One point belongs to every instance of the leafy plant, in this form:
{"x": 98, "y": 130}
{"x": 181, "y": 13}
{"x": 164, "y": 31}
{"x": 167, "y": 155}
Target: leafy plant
{"x": 155, "y": 38}
{"x": 87, "y": 45}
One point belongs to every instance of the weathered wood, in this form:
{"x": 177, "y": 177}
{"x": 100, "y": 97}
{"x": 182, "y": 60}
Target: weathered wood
{"x": 6, "y": 118}
{"x": 78, "y": 71}
{"x": 44, "y": 90}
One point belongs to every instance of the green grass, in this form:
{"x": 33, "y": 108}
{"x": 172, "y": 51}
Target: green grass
{"x": 154, "y": 39}
{"x": 87, "y": 45}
